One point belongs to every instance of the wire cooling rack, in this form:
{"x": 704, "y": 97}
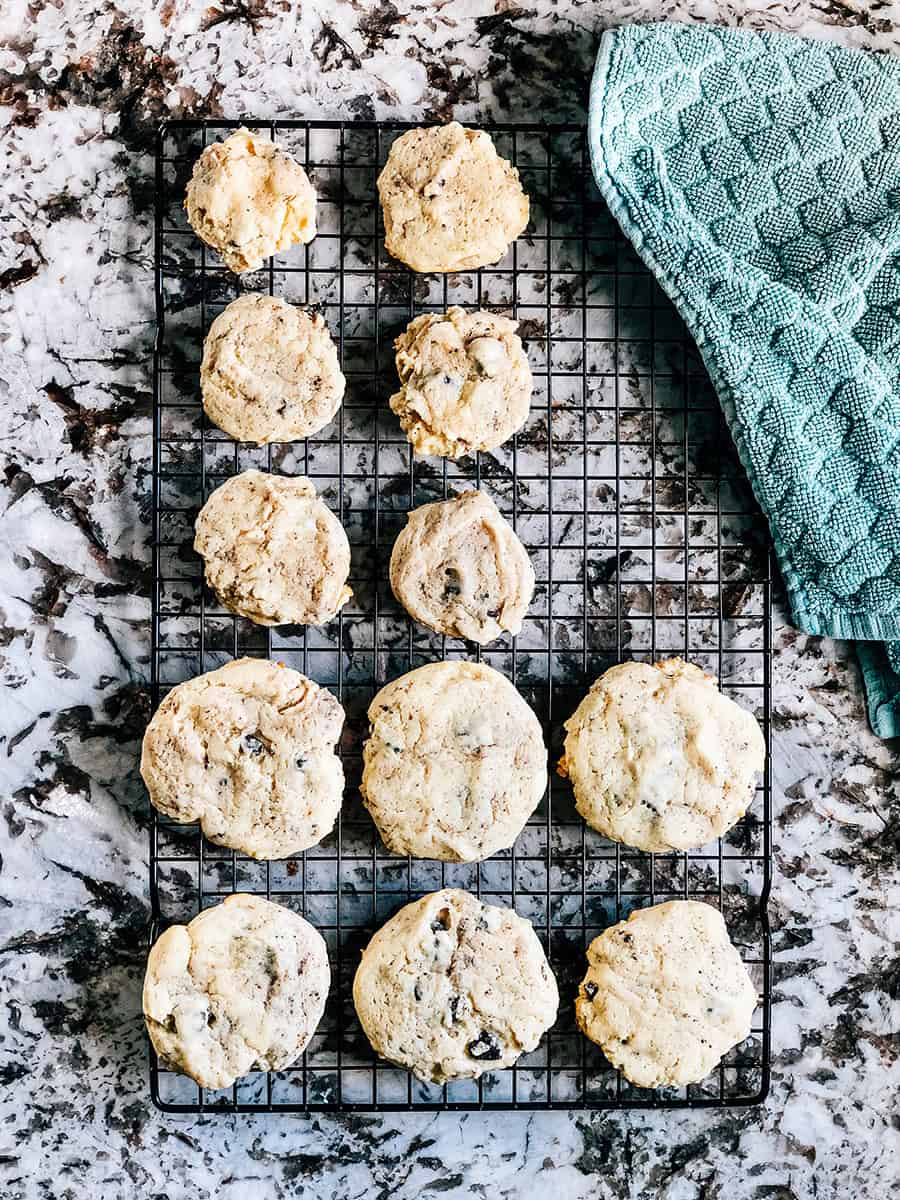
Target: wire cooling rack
{"x": 645, "y": 540}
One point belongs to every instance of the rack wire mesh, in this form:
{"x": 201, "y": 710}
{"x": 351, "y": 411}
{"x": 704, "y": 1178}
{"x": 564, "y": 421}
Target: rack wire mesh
{"x": 646, "y": 543}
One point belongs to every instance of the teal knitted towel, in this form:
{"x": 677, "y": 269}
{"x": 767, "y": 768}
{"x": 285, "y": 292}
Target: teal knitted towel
{"x": 758, "y": 176}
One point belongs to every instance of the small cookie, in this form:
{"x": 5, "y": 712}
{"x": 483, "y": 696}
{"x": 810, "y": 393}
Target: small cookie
{"x": 249, "y": 200}
{"x": 459, "y": 568}
{"x": 270, "y": 371}
{"x": 465, "y": 382}
{"x": 248, "y": 751}
{"x": 273, "y": 551}
{"x": 666, "y": 994}
{"x": 451, "y": 988}
{"x": 241, "y": 988}
{"x": 455, "y": 764}
{"x": 450, "y": 202}
{"x": 659, "y": 758}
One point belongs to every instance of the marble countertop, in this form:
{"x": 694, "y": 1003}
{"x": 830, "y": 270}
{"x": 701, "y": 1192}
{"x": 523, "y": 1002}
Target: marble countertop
{"x": 82, "y": 86}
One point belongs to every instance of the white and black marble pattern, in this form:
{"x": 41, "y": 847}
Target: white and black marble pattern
{"x": 82, "y": 86}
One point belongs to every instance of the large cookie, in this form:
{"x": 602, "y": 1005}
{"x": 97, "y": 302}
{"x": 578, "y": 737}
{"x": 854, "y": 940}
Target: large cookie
{"x": 666, "y": 994}
{"x": 249, "y": 200}
{"x": 450, "y": 201}
{"x": 248, "y": 751}
{"x": 465, "y": 382}
{"x": 270, "y": 371}
{"x": 659, "y": 758}
{"x": 459, "y": 568}
{"x": 241, "y": 988}
{"x": 273, "y": 551}
{"x": 451, "y": 988}
{"x": 455, "y": 764}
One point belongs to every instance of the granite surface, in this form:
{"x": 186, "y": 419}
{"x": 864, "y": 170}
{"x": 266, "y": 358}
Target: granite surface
{"x": 81, "y": 87}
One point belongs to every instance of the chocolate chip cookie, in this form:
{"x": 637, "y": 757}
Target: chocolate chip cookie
{"x": 666, "y": 994}
{"x": 273, "y": 551}
{"x": 455, "y": 764}
{"x": 451, "y": 988}
{"x": 465, "y": 382}
{"x": 241, "y": 988}
{"x": 248, "y": 751}
{"x": 459, "y": 568}
{"x": 450, "y": 201}
{"x": 248, "y": 199}
{"x": 659, "y": 758}
{"x": 270, "y": 371}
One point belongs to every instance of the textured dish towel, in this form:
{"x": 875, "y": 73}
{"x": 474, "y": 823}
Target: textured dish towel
{"x": 758, "y": 176}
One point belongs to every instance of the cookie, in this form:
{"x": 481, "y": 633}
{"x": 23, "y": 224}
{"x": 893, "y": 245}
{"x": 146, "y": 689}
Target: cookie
{"x": 450, "y": 202}
{"x": 270, "y": 371}
{"x": 666, "y": 994}
{"x": 455, "y": 764}
{"x": 241, "y": 988}
{"x": 248, "y": 751}
{"x": 459, "y": 568}
{"x": 659, "y": 758}
{"x": 249, "y": 200}
{"x": 451, "y": 988}
{"x": 465, "y": 382}
{"x": 273, "y": 551}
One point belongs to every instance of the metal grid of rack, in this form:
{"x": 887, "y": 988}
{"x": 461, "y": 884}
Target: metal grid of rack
{"x": 646, "y": 543}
